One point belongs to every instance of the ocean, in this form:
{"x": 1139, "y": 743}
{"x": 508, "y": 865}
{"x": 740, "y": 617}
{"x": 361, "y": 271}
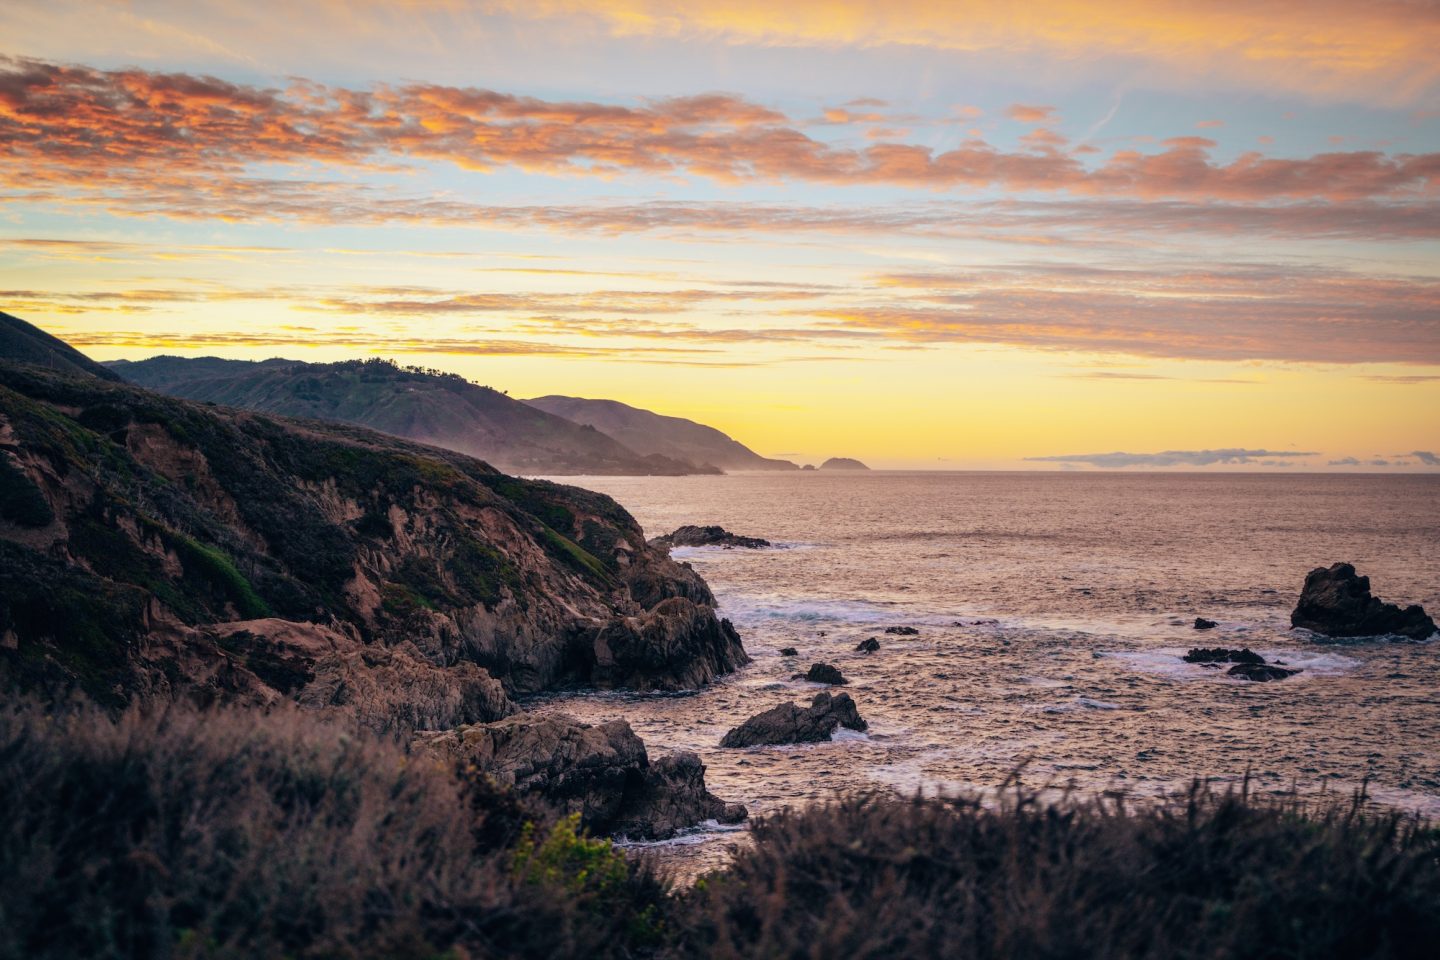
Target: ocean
{"x": 1052, "y": 611}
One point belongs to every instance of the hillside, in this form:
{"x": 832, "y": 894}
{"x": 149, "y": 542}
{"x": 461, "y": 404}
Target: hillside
{"x": 658, "y": 435}
{"x": 152, "y": 546}
{"x": 843, "y": 463}
{"x": 26, "y": 343}
{"x": 427, "y": 406}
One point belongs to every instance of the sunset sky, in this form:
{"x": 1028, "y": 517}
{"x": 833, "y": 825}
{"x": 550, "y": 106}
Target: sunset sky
{"x": 982, "y": 235}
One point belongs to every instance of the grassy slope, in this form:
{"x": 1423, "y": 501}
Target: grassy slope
{"x": 420, "y": 405}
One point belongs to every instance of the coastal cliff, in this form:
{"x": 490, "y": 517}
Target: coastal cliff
{"x": 151, "y": 546}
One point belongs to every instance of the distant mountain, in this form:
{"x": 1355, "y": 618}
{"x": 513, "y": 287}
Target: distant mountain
{"x": 425, "y": 405}
{"x": 22, "y": 342}
{"x": 843, "y": 463}
{"x": 659, "y": 435}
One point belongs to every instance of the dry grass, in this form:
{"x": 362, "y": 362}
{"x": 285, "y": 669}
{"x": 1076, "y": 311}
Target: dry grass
{"x": 1203, "y": 876}
{"x": 233, "y": 833}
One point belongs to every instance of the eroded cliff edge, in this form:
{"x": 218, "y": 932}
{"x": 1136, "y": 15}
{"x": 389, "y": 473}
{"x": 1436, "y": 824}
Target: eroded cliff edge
{"x": 151, "y": 546}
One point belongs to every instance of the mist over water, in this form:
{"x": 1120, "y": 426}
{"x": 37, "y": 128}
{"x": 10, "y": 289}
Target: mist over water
{"x": 1052, "y": 612}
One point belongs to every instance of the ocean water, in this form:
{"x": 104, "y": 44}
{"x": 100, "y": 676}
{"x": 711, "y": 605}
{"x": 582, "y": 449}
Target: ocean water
{"x": 1052, "y": 612}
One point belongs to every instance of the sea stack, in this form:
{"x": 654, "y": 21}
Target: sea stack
{"x": 1337, "y": 602}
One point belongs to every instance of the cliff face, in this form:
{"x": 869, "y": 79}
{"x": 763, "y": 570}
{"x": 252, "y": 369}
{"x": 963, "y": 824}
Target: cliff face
{"x": 153, "y": 546}
{"x": 423, "y": 405}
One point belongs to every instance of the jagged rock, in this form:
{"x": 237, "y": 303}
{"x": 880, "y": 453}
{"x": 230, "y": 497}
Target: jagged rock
{"x": 1202, "y": 624}
{"x": 903, "y": 631}
{"x": 1259, "y": 672}
{"x": 675, "y": 646}
{"x": 1338, "y": 603}
{"x": 601, "y": 772}
{"x": 788, "y": 723}
{"x": 822, "y": 673}
{"x": 711, "y": 536}
{"x": 789, "y": 652}
{"x": 145, "y": 520}
{"x": 1222, "y": 655}
{"x": 868, "y": 645}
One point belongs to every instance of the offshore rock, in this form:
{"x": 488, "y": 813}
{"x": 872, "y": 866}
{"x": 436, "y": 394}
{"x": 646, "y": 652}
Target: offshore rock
{"x": 822, "y": 673}
{"x": 788, "y": 723}
{"x": 868, "y": 645}
{"x": 1202, "y": 624}
{"x": 711, "y": 536}
{"x": 601, "y": 772}
{"x": 902, "y": 631}
{"x": 1222, "y": 655}
{"x": 678, "y": 645}
{"x": 1259, "y": 672}
{"x": 1338, "y": 603}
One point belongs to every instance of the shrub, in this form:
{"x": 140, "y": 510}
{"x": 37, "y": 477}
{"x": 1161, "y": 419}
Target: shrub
{"x": 1204, "y": 876}
{"x": 233, "y": 833}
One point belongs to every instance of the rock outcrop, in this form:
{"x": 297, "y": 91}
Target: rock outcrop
{"x": 1336, "y": 602}
{"x": 156, "y": 547}
{"x": 822, "y": 673}
{"x": 788, "y": 723}
{"x": 710, "y": 536}
{"x": 843, "y": 463}
{"x": 678, "y": 645}
{"x": 601, "y": 772}
{"x": 902, "y": 631}
{"x": 1247, "y": 664}
{"x": 1202, "y": 624}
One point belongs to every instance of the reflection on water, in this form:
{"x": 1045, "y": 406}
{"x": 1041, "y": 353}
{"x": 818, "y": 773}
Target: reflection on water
{"x": 1052, "y": 611}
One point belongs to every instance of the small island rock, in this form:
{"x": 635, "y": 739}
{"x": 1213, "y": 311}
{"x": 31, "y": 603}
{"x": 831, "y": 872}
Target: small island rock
{"x": 708, "y": 536}
{"x": 843, "y": 463}
{"x": 788, "y": 723}
{"x": 822, "y": 673}
{"x": 1338, "y": 603}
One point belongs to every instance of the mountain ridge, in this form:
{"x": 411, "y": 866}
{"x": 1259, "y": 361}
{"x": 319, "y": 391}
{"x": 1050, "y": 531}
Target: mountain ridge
{"x": 656, "y": 433}
{"x": 427, "y": 406}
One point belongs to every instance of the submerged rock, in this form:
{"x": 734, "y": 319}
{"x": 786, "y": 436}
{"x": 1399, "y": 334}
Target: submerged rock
{"x": 788, "y": 723}
{"x": 822, "y": 673}
{"x": 1222, "y": 655}
{"x": 789, "y": 652}
{"x": 1202, "y": 624}
{"x": 601, "y": 772}
{"x": 903, "y": 631}
{"x": 1259, "y": 672}
{"x": 1247, "y": 664}
{"x": 868, "y": 645}
{"x": 711, "y": 536}
{"x": 1338, "y": 603}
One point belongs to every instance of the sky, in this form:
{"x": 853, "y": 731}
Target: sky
{"x": 1148, "y": 234}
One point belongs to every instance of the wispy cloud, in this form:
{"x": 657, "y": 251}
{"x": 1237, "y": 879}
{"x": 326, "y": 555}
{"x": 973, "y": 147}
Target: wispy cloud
{"x": 1177, "y": 458}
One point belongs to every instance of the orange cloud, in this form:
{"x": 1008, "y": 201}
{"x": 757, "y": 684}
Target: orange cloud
{"x": 1026, "y": 114}
{"x": 133, "y": 138}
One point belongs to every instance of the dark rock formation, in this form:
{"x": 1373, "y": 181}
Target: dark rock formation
{"x": 789, "y": 652}
{"x": 843, "y": 463}
{"x": 152, "y": 547}
{"x": 1202, "y": 624}
{"x": 1259, "y": 672}
{"x": 1338, "y": 603}
{"x": 789, "y": 723}
{"x": 711, "y": 536}
{"x": 601, "y": 772}
{"x": 822, "y": 673}
{"x": 1222, "y": 655}
{"x": 868, "y": 645}
{"x": 676, "y": 646}
{"x": 1248, "y": 665}
{"x": 903, "y": 631}
{"x": 808, "y": 466}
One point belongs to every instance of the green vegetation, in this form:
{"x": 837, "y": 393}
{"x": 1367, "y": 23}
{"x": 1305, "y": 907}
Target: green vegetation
{"x": 21, "y": 502}
{"x": 576, "y": 555}
{"x": 215, "y": 567}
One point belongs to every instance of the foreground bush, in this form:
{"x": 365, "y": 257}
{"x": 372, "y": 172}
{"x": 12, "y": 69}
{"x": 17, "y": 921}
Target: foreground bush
{"x": 239, "y": 834}
{"x": 1202, "y": 877}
